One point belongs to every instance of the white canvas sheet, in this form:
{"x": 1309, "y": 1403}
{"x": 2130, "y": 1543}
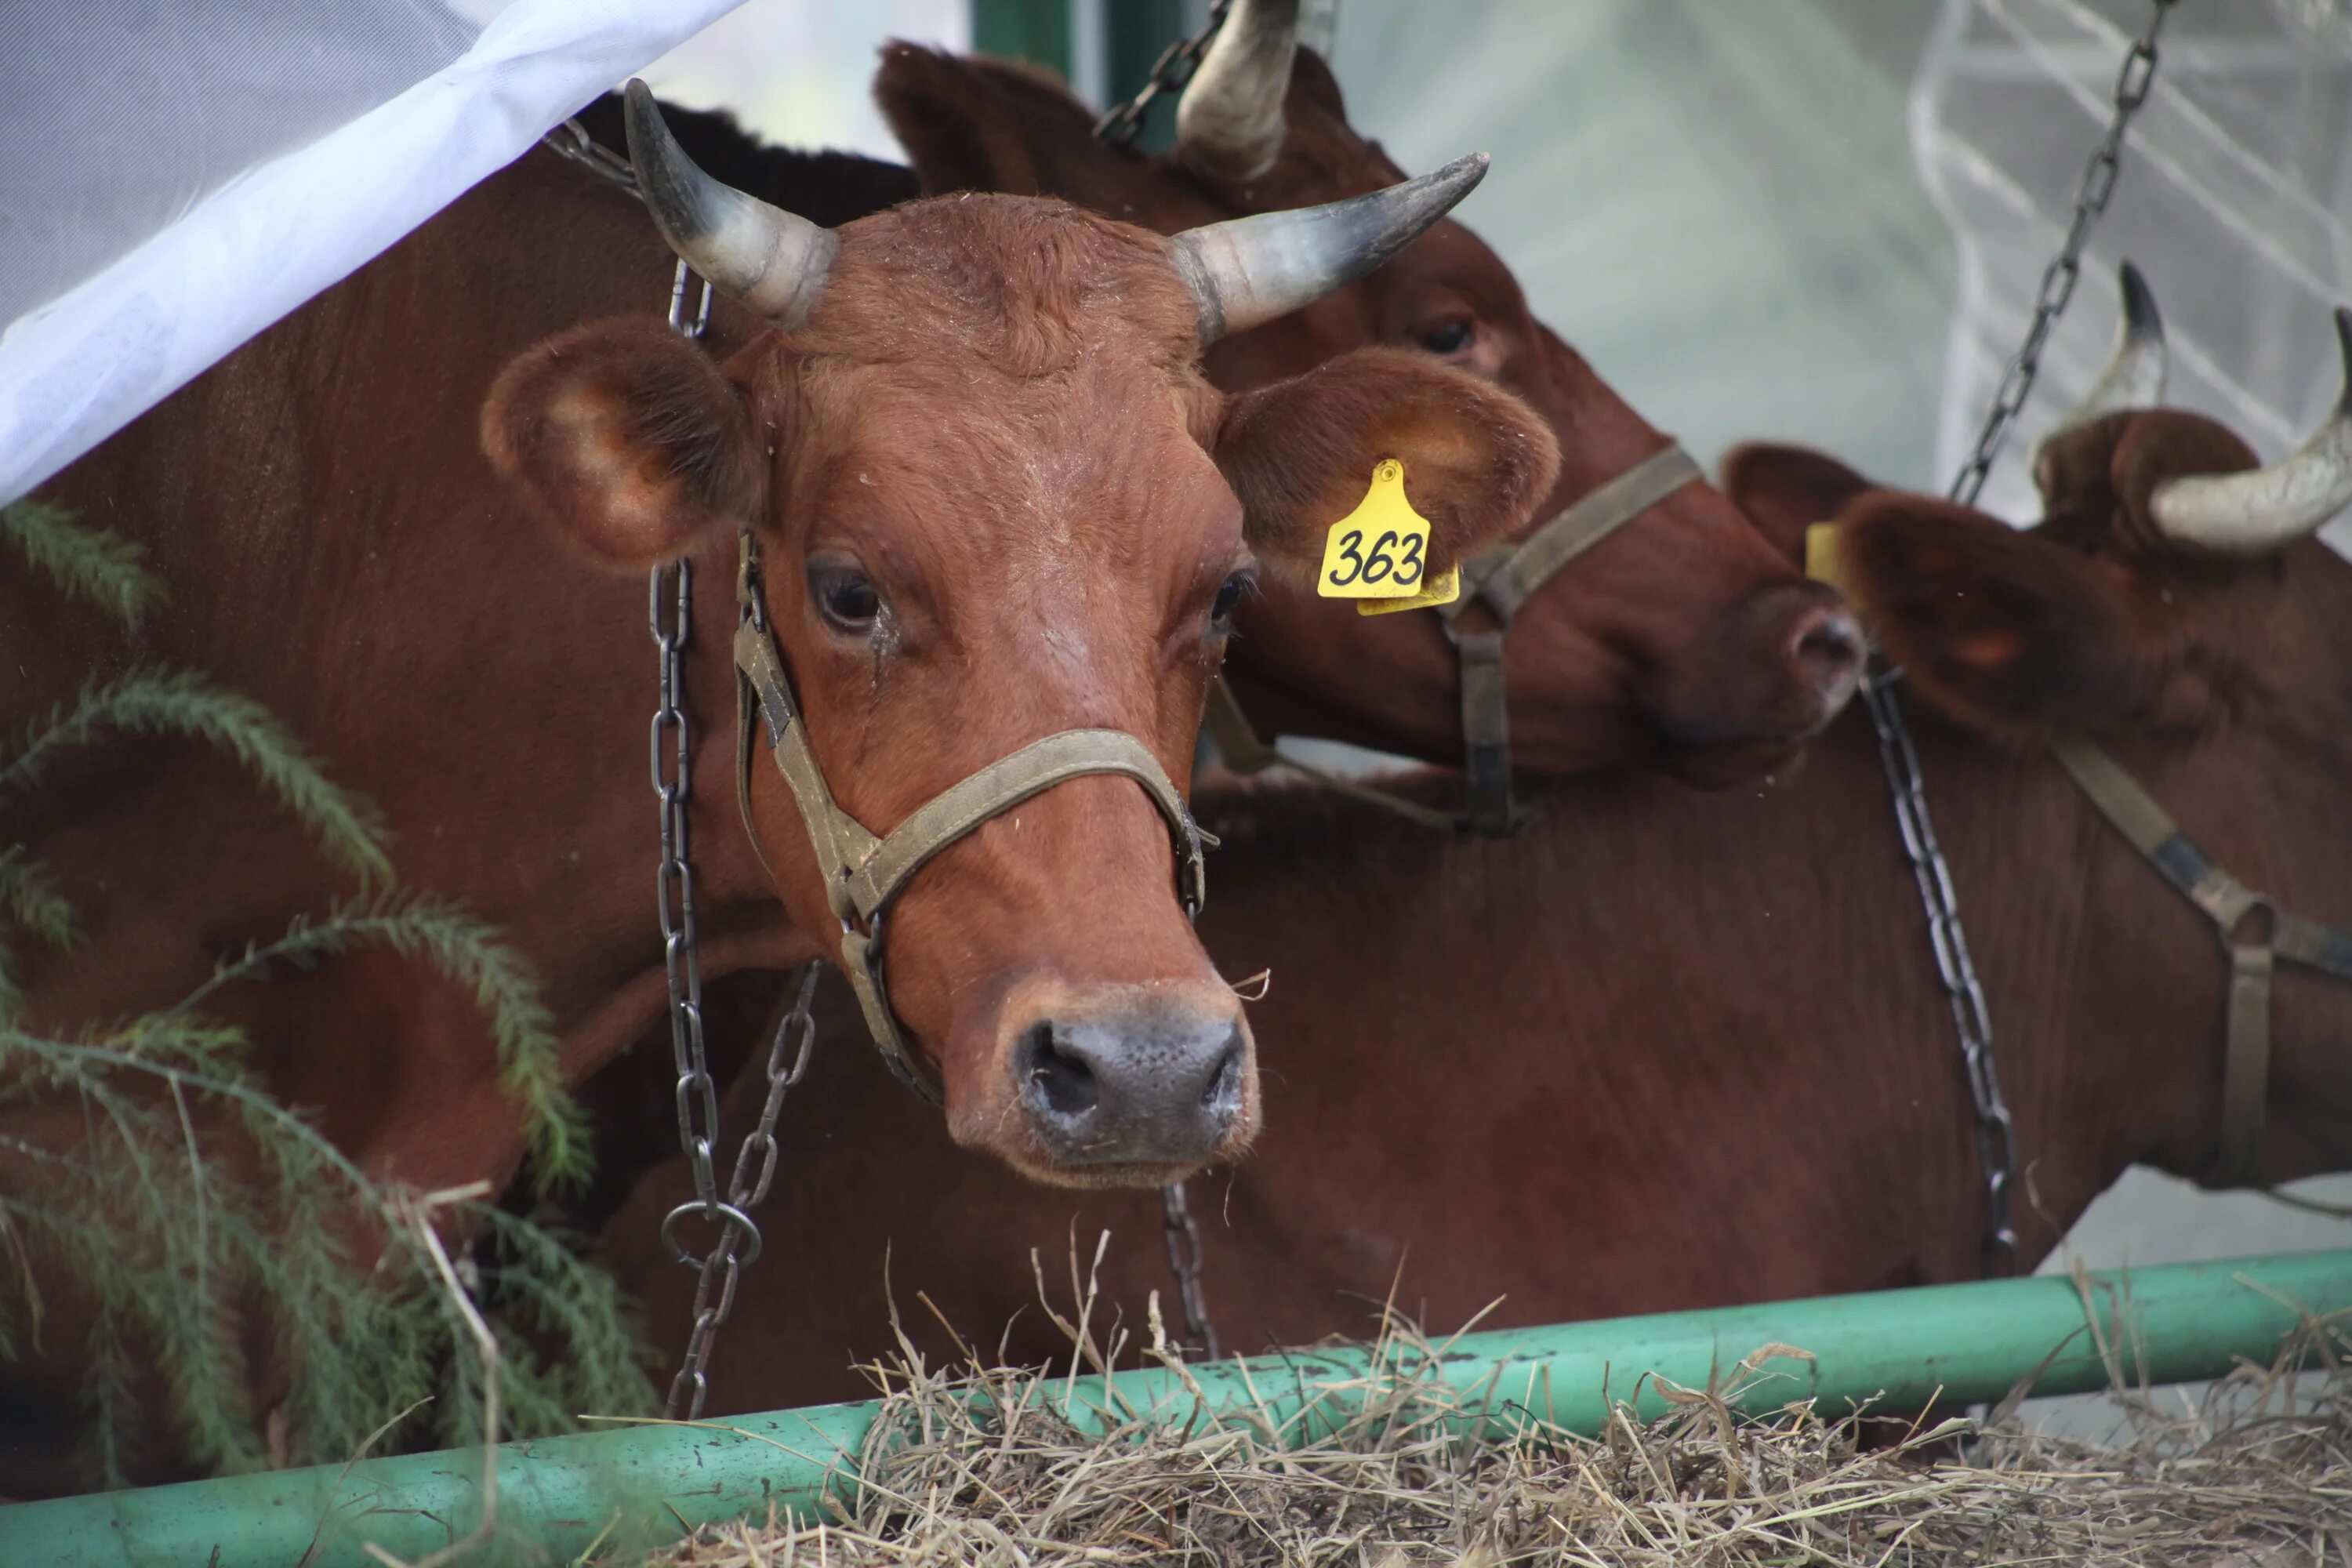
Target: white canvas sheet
{"x": 189, "y": 171}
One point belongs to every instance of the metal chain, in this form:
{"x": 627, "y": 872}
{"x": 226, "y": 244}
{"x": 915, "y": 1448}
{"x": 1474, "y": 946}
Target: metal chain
{"x": 2133, "y": 79}
{"x": 1172, "y": 70}
{"x": 1184, "y": 1239}
{"x": 737, "y": 1243}
{"x": 1996, "y": 1128}
{"x": 1995, "y": 1132}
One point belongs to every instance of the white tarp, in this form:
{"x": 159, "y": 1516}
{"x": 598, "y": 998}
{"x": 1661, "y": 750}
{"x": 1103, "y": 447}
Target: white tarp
{"x": 183, "y": 172}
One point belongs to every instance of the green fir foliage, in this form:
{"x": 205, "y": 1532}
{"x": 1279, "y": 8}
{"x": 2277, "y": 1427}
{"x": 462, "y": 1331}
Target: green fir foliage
{"x": 148, "y": 701}
{"x": 188, "y": 1206}
{"x": 86, "y": 564}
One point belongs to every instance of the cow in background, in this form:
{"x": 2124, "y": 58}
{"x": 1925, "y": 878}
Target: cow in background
{"x": 1681, "y": 643}
{"x": 1666, "y": 1052}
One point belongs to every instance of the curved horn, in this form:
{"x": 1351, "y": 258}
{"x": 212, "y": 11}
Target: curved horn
{"x": 770, "y": 259}
{"x": 1246, "y": 271}
{"x": 2135, "y": 374}
{"x": 2267, "y": 508}
{"x": 1229, "y": 122}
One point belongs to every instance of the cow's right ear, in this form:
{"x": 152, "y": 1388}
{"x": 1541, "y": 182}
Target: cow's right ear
{"x": 1300, "y": 454}
{"x": 1786, "y": 489}
{"x": 626, "y": 439}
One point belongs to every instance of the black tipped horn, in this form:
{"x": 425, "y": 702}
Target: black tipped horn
{"x": 2135, "y": 372}
{"x": 1247, "y": 270}
{"x": 1229, "y": 123}
{"x": 770, "y": 259}
{"x": 2267, "y": 508}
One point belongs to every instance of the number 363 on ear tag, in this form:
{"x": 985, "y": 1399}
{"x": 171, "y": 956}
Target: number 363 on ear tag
{"x": 1376, "y": 552}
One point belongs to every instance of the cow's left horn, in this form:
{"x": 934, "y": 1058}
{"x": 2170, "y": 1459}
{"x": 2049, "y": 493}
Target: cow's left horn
{"x": 772, "y": 260}
{"x": 1246, "y": 271}
{"x": 2267, "y": 508}
{"x": 2134, "y": 377}
{"x": 1229, "y": 122}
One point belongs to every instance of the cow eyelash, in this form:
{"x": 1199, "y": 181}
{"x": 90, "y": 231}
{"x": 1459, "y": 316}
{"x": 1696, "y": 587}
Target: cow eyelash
{"x": 1230, "y": 593}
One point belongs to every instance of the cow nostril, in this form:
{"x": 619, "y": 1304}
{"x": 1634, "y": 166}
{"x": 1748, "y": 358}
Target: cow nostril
{"x": 1829, "y": 650}
{"x": 1223, "y": 1089}
{"x": 1060, "y": 1078}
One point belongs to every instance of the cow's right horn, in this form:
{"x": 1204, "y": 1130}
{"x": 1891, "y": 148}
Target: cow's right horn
{"x": 2265, "y": 509}
{"x": 1246, "y": 271}
{"x": 770, "y": 259}
{"x": 1229, "y": 122}
{"x": 2134, "y": 377}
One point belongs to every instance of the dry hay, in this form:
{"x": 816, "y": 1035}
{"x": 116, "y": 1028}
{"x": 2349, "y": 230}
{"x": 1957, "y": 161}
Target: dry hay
{"x": 2258, "y": 1475}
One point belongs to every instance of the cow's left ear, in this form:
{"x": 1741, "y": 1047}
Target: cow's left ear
{"x": 2016, "y": 636}
{"x": 1786, "y": 489}
{"x": 1300, "y": 454}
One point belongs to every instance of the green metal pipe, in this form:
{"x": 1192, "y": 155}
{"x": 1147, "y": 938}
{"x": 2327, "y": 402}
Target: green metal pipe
{"x": 1951, "y": 1345}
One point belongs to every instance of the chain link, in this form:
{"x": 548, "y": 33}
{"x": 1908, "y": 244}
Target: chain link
{"x": 1971, "y": 1019}
{"x": 2133, "y": 79}
{"x": 1172, "y": 70}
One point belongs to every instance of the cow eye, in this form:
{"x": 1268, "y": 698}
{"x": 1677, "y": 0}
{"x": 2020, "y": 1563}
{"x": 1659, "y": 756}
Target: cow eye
{"x": 1229, "y": 595}
{"x": 1451, "y": 338}
{"x": 844, "y": 596}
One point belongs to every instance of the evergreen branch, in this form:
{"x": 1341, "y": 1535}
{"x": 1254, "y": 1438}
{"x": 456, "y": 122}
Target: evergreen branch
{"x": 88, "y": 564}
{"x": 148, "y": 701}
{"x": 467, "y": 950}
{"x": 27, "y": 900}
{"x": 27, "y": 897}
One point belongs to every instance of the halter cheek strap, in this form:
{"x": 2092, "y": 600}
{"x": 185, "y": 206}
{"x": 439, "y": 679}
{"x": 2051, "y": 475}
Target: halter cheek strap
{"x": 864, "y": 873}
{"x": 2255, "y": 934}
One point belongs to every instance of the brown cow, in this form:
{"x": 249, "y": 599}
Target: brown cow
{"x": 1681, "y": 643}
{"x": 996, "y": 498}
{"x": 1664, "y": 1052}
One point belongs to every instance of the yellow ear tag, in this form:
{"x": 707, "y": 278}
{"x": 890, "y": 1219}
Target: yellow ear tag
{"x": 1824, "y": 555}
{"x": 1376, "y": 550}
{"x": 1442, "y": 589}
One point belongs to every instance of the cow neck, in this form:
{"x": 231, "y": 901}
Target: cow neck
{"x": 1498, "y": 580}
{"x": 863, "y": 871}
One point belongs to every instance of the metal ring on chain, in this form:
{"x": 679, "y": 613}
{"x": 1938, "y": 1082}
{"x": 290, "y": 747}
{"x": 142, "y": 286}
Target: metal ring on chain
{"x": 724, "y": 1214}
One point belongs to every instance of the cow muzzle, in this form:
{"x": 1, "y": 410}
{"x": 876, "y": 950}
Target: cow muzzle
{"x": 1129, "y": 1085}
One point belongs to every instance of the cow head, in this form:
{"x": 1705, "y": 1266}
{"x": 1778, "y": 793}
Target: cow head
{"x": 2170, "y": 586}
{"x": 996, "y": 498}
{"x": 1682, "y": 642}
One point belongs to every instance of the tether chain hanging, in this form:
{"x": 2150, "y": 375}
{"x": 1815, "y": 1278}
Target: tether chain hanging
{"x": 738, "y": 1242}
{"x": 1996, "y": 1130}
{"x": 1172, "y": 70}
{"x": 1118, "y": 128}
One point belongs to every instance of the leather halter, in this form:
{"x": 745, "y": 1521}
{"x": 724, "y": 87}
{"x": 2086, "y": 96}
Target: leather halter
{"x": 863, "y": 872}
{"x": 2230, "y": 906}
{"x": 1501, "y": 578}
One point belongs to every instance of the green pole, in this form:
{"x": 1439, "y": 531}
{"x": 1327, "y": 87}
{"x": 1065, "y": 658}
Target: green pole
{"x": 1951, "y": 1345}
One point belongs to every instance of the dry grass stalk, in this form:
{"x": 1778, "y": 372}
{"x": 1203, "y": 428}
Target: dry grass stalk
{"x": 976, "y": 1468}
